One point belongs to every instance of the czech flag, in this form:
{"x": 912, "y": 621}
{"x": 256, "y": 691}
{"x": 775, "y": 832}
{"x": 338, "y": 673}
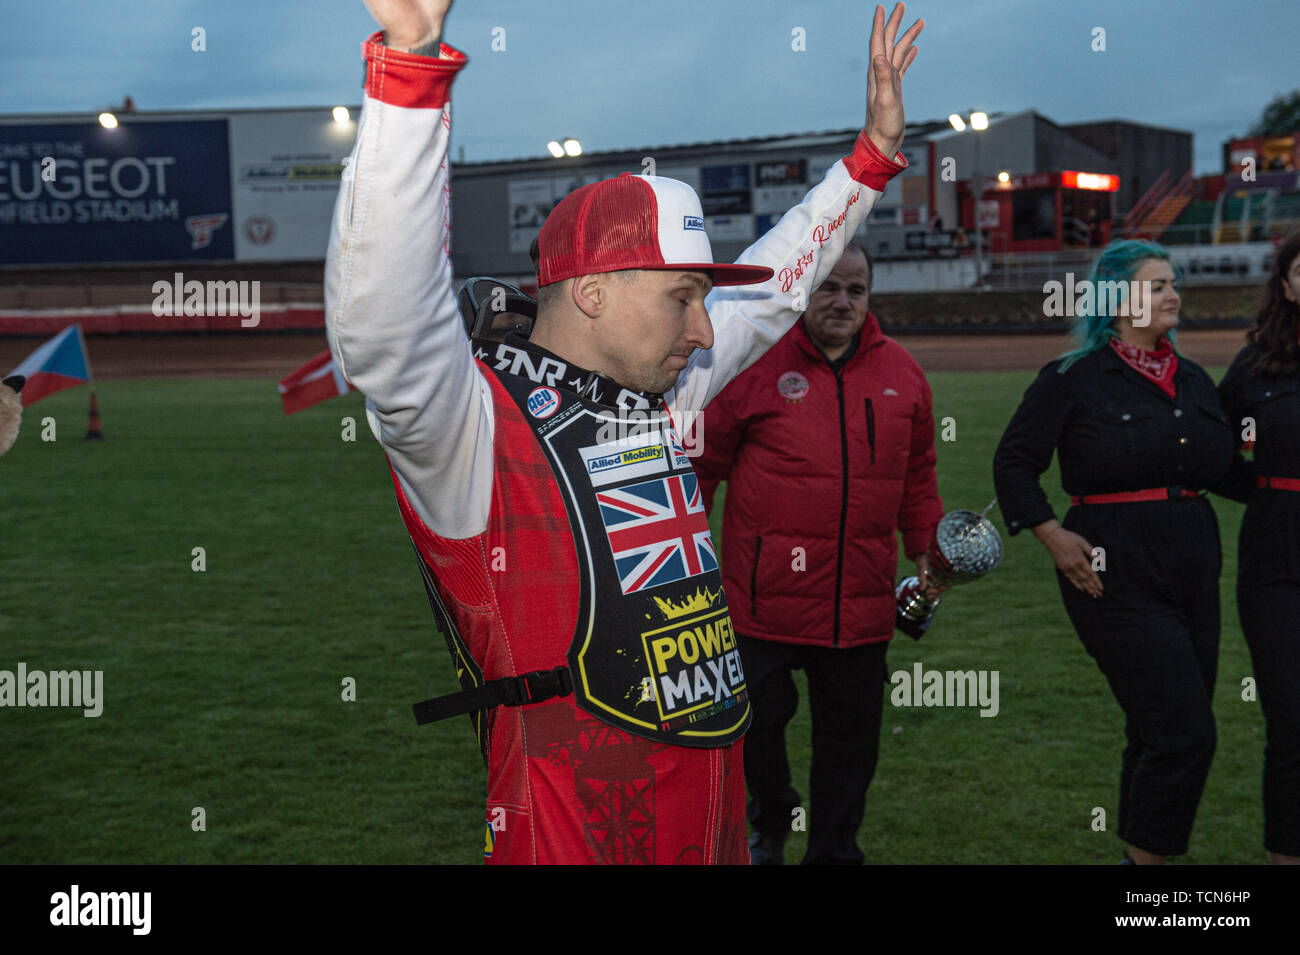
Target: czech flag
{"x": 59, "y": 363}
{"x": 314, "y": 382}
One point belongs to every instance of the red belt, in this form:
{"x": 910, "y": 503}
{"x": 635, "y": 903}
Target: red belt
{"x": 1148, "y": 494}
{"x": 1278, "y": 483}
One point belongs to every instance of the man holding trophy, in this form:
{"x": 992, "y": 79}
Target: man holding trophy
{"x": 827, "y": 445}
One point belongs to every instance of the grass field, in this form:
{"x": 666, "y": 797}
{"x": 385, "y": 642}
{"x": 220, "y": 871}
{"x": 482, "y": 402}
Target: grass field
{"x": 222, "y": 688}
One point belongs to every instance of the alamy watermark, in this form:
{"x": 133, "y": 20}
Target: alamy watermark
{"x": 193, "y": 298}
{"x": 921, "y": 687}
{"x": 637, "y": 428}
{"x": 83, "y": 688}
{"x": 1086, "y": 297}
{"x": 75, "y": 908}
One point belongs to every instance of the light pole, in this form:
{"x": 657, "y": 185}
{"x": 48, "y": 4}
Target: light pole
{"x": 979, "y": 121}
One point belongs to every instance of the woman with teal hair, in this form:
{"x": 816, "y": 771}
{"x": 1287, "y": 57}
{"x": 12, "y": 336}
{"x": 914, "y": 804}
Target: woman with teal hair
{"x": 1106, "y": 290}
{"x": 1139, "y": 433}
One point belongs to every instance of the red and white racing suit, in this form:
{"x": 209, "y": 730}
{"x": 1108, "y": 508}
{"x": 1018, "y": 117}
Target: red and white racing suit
{"x": 643, "y": 762}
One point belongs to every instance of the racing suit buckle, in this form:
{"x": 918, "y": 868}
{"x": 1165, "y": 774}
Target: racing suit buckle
{"x": 537, "y": 686}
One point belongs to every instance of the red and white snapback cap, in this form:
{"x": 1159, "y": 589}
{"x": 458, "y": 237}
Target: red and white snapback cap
{"x": 632, "y": 222}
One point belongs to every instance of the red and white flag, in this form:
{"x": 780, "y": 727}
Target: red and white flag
{"x": 311, "y": 384}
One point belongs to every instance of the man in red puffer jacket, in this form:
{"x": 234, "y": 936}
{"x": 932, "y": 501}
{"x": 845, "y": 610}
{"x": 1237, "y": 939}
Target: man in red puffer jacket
{"x": 827, "y": 445}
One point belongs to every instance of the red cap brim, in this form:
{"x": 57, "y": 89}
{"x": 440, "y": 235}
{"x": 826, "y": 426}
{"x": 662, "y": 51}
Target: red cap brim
{"x": 721, "y": 274}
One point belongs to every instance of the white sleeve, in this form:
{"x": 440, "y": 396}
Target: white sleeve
{"x": 390, "y": 307}
{"x": 801, "y": 250}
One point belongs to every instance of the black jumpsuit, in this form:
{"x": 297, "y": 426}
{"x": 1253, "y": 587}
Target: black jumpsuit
{"x": 1154, "y": 632}
{"x": 1268, "y": 584}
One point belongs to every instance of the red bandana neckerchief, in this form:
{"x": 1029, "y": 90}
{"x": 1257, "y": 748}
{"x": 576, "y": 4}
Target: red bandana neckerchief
{"x": 1157, "y": 366}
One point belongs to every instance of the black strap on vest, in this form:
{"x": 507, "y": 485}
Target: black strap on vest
{"x": 467, "y": 669}
{"x": 507, "y": 691}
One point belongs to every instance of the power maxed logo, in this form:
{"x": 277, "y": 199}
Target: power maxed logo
{"x": 694, "y": 664}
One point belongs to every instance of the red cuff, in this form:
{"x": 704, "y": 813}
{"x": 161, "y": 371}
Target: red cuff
{"x": 868, "y": 165}
{"x": 404, "y": 79}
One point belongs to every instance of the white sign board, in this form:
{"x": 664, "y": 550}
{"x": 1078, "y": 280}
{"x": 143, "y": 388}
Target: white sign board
{"x": 285, "y": 173}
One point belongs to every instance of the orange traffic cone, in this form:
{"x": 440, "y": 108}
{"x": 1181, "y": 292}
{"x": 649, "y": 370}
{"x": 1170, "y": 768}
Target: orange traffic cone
{"x": 93, "y": 433}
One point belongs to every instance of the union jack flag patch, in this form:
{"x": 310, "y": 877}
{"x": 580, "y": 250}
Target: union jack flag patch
{"x": 657, "y": 531}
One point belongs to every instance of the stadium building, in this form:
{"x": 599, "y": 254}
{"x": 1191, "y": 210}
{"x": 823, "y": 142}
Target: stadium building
{"x": 94, "y": 212}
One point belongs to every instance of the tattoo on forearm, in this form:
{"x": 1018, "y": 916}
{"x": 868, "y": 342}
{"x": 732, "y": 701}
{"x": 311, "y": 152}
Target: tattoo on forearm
{"x": 429, "y": 49}
{"x": 432, "y": 48}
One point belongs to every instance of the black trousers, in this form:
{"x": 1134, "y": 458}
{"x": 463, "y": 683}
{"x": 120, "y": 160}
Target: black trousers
{"x": 846, "y": 693}
{"x": 1268, "y": 604}
{"x": 1155, "y": 635}
{"x": 1270, "y": 619}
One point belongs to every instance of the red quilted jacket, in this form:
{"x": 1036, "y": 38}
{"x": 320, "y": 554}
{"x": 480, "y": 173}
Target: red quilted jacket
{"x": 823, "y": 470}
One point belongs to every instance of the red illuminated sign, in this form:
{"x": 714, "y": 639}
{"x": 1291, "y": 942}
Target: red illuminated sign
{"x": 1090, "y": 180}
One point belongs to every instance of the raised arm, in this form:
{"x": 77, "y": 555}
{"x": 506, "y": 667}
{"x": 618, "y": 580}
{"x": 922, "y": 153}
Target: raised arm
{"x": 804, "y": 246}
{"x": 390, "y": 307}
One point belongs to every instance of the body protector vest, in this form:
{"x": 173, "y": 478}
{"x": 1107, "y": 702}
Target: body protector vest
{"x": 653, "y": 652}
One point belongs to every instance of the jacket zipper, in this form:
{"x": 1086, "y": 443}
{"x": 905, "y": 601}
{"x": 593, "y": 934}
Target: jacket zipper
{"x": 871, "y": 430}
{"x": 844, "y": 502}
{"x": 753, "y": 580}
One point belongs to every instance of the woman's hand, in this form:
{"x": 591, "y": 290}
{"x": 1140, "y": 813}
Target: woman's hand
{"x": 1072, "y": 554}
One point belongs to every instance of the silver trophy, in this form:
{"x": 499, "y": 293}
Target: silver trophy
{"x": 965, "y": 547}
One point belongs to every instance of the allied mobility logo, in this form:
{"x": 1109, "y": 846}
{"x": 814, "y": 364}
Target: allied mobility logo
{"x": 792, "y": 386}
{"x": 543, "y": 402}
{"x": 615, "y": 460}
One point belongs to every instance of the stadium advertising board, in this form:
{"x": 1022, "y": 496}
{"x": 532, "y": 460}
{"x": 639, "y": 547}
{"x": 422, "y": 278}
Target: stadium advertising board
{"x": 529, "y": 202}
{"x": 286, "y": 167}
{"x": 144, "y": 191}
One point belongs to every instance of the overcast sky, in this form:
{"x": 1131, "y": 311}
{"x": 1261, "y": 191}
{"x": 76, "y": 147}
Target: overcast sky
{"x": 631, "y": 73}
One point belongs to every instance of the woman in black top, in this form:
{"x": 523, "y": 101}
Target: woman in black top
{"x": 1139, "y": 430}
{"x": 1261, "y": 393}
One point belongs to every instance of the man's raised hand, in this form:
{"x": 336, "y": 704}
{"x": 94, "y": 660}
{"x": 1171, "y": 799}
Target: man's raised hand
{"x": 889, "y": 63}
{"x": 410, "y": 25}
